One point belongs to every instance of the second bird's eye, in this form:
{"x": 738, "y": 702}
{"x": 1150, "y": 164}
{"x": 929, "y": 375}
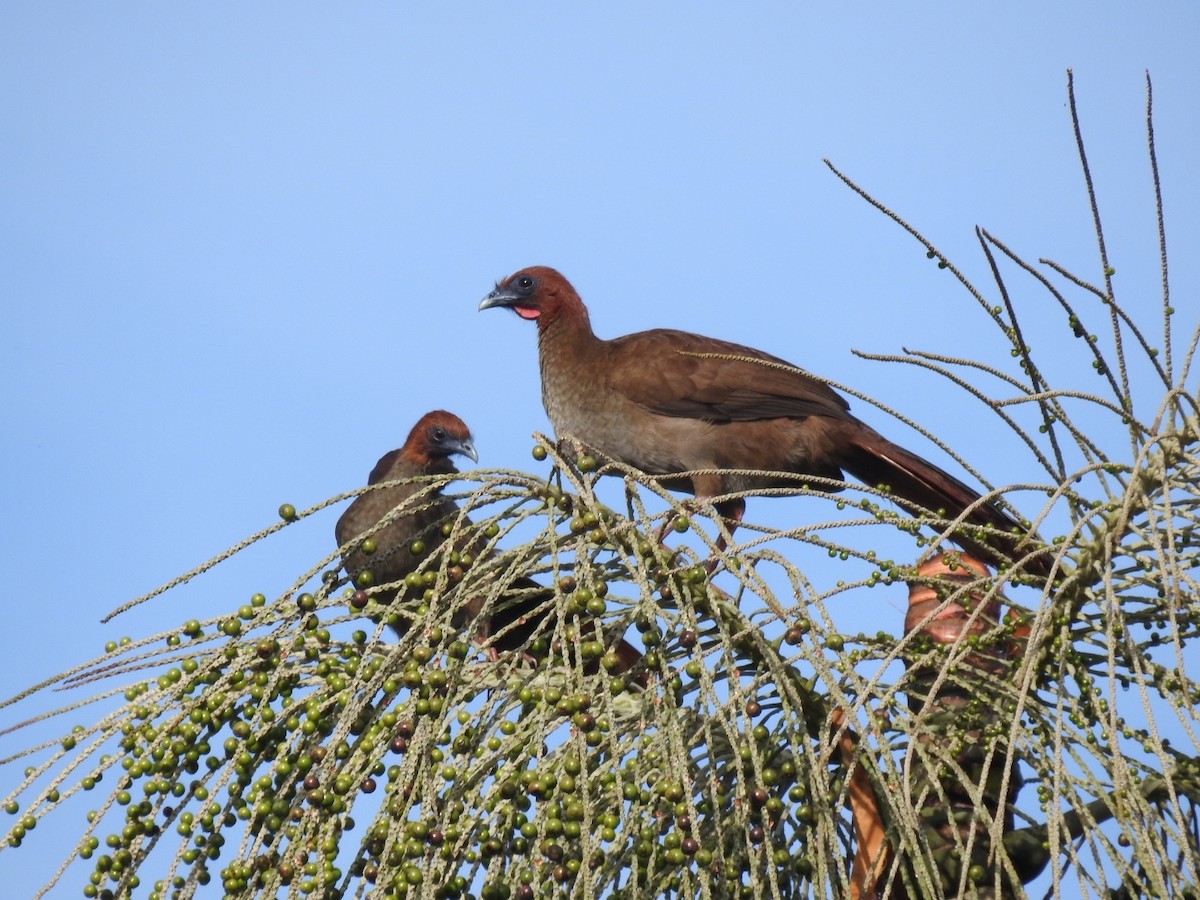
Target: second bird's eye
{"x": 439, "y": 435}
{"x": 525, "y": 283}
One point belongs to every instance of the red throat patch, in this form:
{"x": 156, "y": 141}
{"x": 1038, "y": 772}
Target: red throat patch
{"x": 527, "y": 312}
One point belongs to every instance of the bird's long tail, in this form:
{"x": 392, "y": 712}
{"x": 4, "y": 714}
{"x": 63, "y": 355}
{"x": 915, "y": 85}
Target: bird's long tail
{"x": 920, "y": 487}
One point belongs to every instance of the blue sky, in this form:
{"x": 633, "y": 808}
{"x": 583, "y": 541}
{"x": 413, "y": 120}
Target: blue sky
{"x": 242, "y": 246}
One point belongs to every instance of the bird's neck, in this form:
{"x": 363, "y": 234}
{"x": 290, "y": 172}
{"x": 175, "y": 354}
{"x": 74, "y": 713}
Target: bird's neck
{"x": 569, "y": 357}
{"x": 562, "y": 338}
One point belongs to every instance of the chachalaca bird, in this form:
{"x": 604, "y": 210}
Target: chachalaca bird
{"x": 436, "y": 437}
{"x": 668, "y": 402}
{"x": 520, "y": 615}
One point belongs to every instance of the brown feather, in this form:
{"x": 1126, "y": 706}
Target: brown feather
{"x": 674, "y": 373}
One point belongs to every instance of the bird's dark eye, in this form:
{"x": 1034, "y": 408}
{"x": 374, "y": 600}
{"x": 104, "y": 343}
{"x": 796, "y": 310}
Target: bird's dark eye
{"x": 525, "y": 284}
{"x": 438, "y": 435}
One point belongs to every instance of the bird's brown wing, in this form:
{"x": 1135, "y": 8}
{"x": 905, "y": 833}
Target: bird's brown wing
{"x": 383, "y": 468}
{"x": 673, "y": 373}
{"x": 422, "y": 521}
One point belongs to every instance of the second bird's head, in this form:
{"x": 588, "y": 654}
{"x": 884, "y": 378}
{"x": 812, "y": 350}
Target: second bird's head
{"x": 438, "y": 435}
{"x": 538, "y": 293}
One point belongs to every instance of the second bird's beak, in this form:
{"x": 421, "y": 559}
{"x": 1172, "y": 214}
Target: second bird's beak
{"x": 467, "y": 449}
{"x": 499, "y": 297}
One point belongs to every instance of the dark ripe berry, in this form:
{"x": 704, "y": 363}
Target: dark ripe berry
{"x": 753, "y": 708}
{"x": 368, "y": 785}
{"x": 398, "y": 744}
{"x": 683, "y": 823}
{"x": 689, "y": 846}
{"x": 359, "y": 600}
{"x": 567, "y": 584}
{"x": 793, "y": 635}
{"x": 435, "y": 837}
{"x": 311, "y": 781}
{"x": 687, "y": 638}
{"x": 525, "y": 891}
{"x": 404, "y": 729}
{"x": 757, "y": 834}
{"x": 553, "y": 852}
{"x": 759, "y": 796}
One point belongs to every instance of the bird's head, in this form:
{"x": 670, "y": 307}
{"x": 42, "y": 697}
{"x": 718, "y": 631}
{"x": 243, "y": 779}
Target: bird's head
{"x": 437, "y": 436}
{"x": 538, "y": 293}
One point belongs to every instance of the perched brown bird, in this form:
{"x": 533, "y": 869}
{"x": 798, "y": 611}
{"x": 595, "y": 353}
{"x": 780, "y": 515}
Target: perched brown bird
{"x": 521, "y": 613}
{"x": 436, "y": 437}
{"x": 662, "y": 402}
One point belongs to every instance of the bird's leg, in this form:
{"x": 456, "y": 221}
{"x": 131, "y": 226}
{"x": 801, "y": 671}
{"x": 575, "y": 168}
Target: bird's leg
{"x": 730, "y": 512}
{"x": 489, "y": 650}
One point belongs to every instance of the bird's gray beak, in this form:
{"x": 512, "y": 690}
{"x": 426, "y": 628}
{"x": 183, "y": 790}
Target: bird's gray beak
{"x": 498, "y": 297}
{"x": 467, "y": 449}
